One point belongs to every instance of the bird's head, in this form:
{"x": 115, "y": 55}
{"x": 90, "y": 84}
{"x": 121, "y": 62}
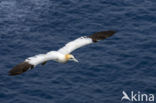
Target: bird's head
{"x": 70, "y": 57}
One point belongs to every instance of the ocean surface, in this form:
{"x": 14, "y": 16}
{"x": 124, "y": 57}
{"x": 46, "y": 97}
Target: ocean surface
{"x": 123, "y": 62}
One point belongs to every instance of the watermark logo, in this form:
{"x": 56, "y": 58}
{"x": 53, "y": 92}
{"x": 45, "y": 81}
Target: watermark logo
{"x": 125, "y": 96}
{"x": 137, "y": 97}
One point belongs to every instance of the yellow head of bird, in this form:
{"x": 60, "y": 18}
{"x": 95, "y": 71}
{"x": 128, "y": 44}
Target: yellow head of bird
{"x": 70, "y": 57}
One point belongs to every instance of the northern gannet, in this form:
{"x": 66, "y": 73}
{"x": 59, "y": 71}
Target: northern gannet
{"x": 62, "y": 55}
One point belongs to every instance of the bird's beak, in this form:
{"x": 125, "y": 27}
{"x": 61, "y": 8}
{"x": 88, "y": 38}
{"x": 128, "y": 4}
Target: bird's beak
{"x": 75, "y": 60}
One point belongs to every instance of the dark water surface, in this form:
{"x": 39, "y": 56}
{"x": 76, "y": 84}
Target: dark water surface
{"x": 126, "y": 61}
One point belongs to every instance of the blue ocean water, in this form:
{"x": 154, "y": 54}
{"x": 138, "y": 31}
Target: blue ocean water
{"x": 123, "y": 62}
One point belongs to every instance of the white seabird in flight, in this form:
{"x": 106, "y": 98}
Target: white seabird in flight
{"x": 62, "y": 55}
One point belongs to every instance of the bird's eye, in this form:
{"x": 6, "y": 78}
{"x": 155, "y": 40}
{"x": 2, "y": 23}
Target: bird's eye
{"x": 71, "y": 58}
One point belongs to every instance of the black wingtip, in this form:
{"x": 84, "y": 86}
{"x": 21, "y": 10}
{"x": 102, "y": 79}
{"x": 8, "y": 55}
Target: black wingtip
{"x": 20, "y": 68}
{"x": 102, "y": 35}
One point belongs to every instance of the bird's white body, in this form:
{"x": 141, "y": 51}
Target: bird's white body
{"x": 52, "y": 55}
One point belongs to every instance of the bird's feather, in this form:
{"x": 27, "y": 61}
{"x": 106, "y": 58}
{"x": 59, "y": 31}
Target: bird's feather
{"x": 20, "y": 68}
{"x": 101, "y": 35}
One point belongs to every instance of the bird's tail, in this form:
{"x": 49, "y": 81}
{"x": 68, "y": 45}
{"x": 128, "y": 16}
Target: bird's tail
{"x": 20, "y": 68}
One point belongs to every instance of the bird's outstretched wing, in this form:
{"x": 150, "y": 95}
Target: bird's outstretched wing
{"x": 31, "y": 62}
{"x": 85, "y": 40}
